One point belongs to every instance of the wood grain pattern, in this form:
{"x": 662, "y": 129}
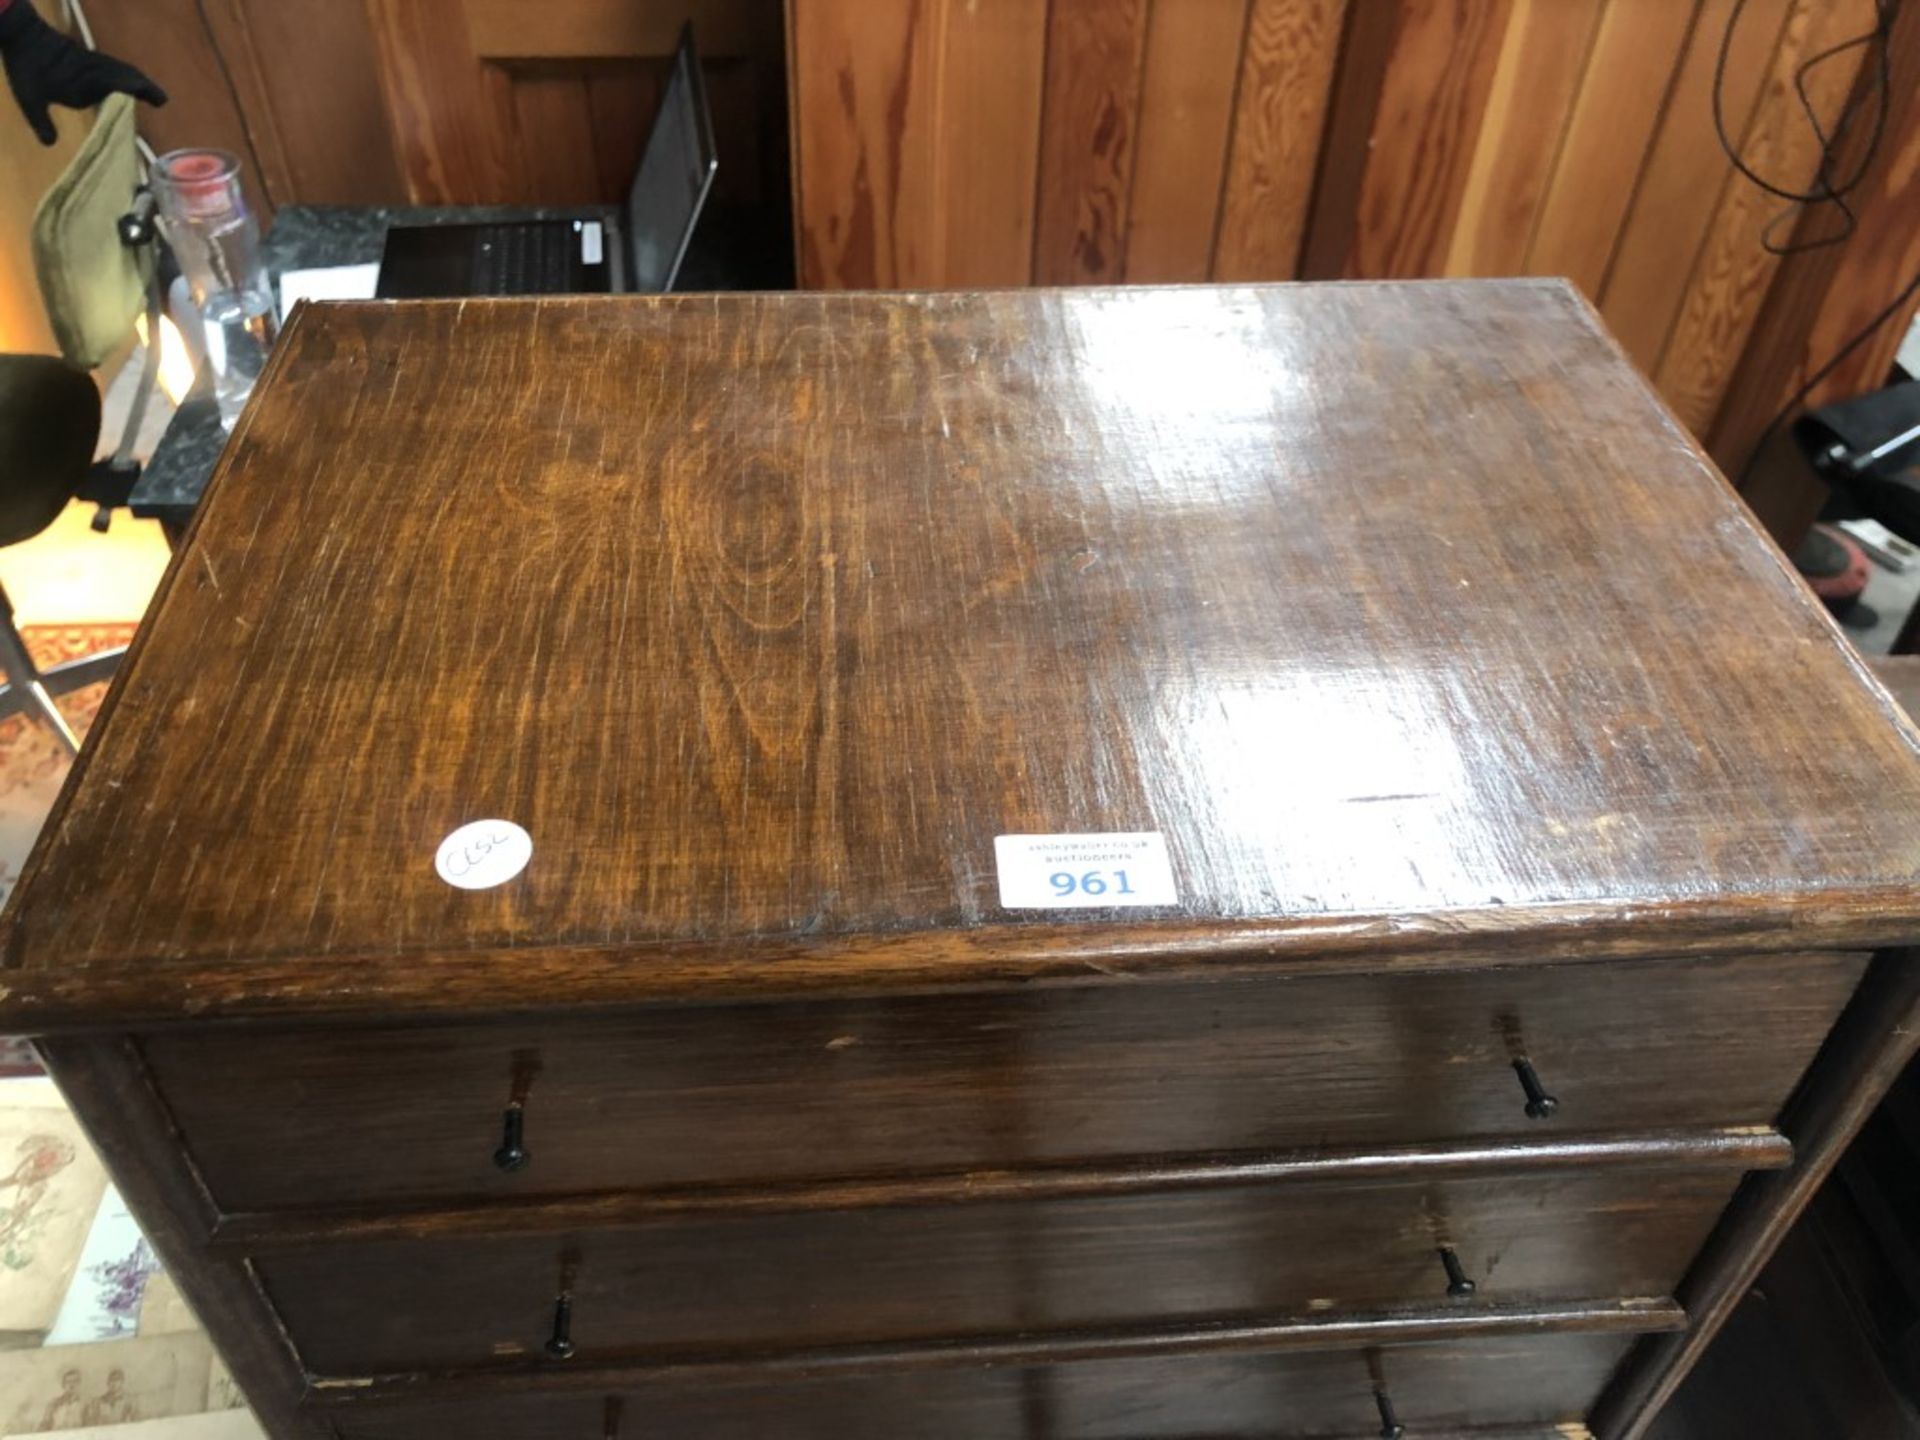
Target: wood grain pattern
{"x": 813, "y": 588}
{"x": 320, "y": 86}
{"x": 555, "y": 127}
{"x": 613, "y": 29}
{"x": 986, "y": 139}
{"x": 1873, "y": 1043}
{"x": 451, "y": 118}
{"x": 1733, "y": 270}
{"x": 1679, "y": 187}
{"x": 809, "y": 599}
{"x": 1434, "y": 99}
{"x": 1186, "y": 111}
{"x": 917, "y": 141}
{"x": 1096, "y": 52}
{"x": 1901, "y": 675}
{"x": 863, "y": 156}
{"x": 184, "y": 54}
{"x": 828, "y": 1277}
{"x": 1821, "y": 299}
{"x": 1440, "y": 1388}
{"x": 1367, "y": 44}
{"x": 1284, "y": 90}
{"x": 622, "y": 102}
{"x": 728, "y": 820}
{"x": 1628, "y": 76}
{"x": 846, "y": 1089}
{"x": 1736, "y": 1148}
{"x": 1541, "y": 63}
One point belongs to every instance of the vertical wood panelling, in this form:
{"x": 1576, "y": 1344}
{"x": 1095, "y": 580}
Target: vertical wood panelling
{"x": 987, "y": 140}
{"x": 452, "y": 118}
{"x": 471, "y": 127}
{"x": 863, "y": 78}
{"x": 1367, "y": 44}
{"x": 1820, "y": 299}
{"x": 1680, "y": 186}
{"x": 1890, "y": 239}
{"x": 1545, "y": 54}
{"x": 991, "y": 142}
{"x": 1628, "y": 75}
{"x": 1186, "y": 111}
{"x": 1096, "y": 51}
{"x": 184, "y": 48}
{"x": 622, "y": 103}
{"x": 320, "y": 82}
{"x": 611, "y": 29}
{"x": 555, "y": 131}
{"x": 1437, "y": 86}
{"x": 227, "y": 28}
{"x": 1731, "y": 275}
{"x": 1284, "y": 91}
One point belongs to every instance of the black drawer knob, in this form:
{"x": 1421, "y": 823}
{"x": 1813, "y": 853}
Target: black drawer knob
{"x": 513, "y": 1154}
{"x": 1458, "y": 1285}
{"x": 560, "y": 1343}
{"x": 1539, "y": 1103}
{"x": 1390, "y": 1426}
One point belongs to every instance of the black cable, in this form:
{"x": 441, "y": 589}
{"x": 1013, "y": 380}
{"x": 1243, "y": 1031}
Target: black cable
{"x": 1826, "y": 189}
{"x": 239, "y": 108}
{"x": 1798, "y": 398}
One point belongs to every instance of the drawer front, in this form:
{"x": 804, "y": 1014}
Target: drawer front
{"x": 754, "y": 1093}
{"x": 1526, "y": 1380}
{"x": 914, "y": 1274}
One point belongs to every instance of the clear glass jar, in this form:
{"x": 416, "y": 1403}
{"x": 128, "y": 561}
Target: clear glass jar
{"x": 204, "y": 214}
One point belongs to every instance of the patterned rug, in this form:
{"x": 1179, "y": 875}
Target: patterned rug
{"x": 33, "y": 764}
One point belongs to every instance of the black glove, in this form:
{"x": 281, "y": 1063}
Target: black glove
{"x": 47, "y": 68}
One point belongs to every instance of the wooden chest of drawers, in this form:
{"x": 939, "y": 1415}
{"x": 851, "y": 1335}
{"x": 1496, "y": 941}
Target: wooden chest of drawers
{"x": 1538, "y": 863}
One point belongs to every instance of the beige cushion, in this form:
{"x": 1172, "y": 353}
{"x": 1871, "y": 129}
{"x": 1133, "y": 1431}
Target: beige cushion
{"x": 93, "y": 285}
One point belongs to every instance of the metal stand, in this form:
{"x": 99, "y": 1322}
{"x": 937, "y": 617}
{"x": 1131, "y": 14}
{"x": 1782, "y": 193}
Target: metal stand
{"x": 31, "y": 689}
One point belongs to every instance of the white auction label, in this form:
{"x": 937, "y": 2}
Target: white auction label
{"x": 483, "y": 854}
{"x": 1084, "y": 872}
{"x": 592, "y": 241}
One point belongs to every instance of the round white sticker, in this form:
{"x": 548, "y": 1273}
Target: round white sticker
{"x": 483, "y": 854}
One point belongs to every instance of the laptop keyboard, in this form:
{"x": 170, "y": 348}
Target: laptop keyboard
{"x": 535, "y": 259}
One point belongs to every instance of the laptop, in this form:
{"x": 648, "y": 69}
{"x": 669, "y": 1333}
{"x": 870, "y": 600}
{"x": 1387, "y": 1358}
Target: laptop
{"x": 637, "y": 249}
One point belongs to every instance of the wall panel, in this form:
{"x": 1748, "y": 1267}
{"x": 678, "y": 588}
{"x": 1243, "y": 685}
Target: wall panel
{"x": 986, "y": 139}
{"x": 1547, "y": 47}
{"x": 865, "y": 82}
{"x": 1244, "y": 140}
{"x": 1096, "y": 66}
{"x": 1186, "y": 116}
{"x": 1628, "y": 74}
{"x": 1438, "y": 84}
{"x": 1730, "y": 277}
{"x": 1283, "y": 96}
{"x": 1679, "y": 189}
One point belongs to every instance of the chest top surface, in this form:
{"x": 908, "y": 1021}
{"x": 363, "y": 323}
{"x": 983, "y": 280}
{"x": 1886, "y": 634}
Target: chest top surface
{"x": 1402, "y": 612}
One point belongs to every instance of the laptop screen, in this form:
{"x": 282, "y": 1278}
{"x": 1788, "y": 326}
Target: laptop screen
{"x": 675, "y": 171}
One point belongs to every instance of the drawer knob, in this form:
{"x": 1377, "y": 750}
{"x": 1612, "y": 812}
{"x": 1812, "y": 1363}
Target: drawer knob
{"x": 1539, "y": 1103}
{"x": 612, "y": 1426}
{"x": 1458, "y": 1285}
{"x": 513, "y": 1153}
{"x": 1390, "y": 1426}
{"x": 560, "y": 1343}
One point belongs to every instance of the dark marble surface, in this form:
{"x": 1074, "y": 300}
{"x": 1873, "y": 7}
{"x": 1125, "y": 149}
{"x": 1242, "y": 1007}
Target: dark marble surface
{"x": 303, "y": 237}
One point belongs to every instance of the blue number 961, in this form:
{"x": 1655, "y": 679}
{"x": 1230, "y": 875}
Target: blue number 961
{"x": 1088, "y": 882}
